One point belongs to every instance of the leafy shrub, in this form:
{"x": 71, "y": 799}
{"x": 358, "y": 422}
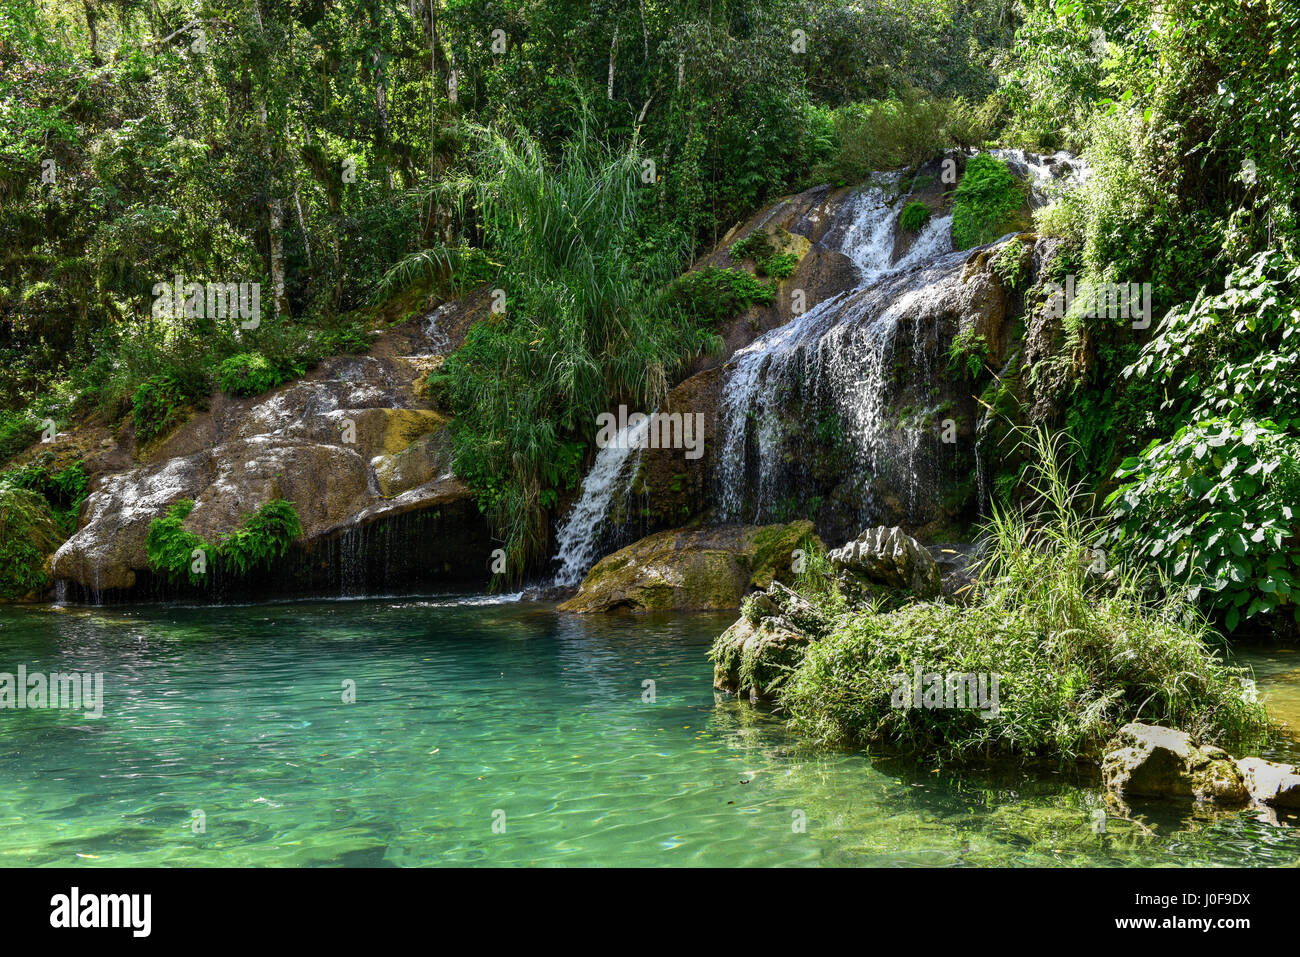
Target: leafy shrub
{"x": 914, "y": 216}
{"x": 29, "y": 533}
{"x": 158, "y": 404}
{"x": 18, "y": 431}
{"x": 715, "y": 295}
{"x": 1011, "y": 264}
{"x": 781, "y": 265}
{"x": 986, "y": 203}
{"x": 1077, "y": 654}
{"x": 884, "y": 135}
{"x": 169, "y": 548}
{"x": 262, "y": 539}
{"x": 968, "y": 353}
{"x": 768, "y": 258}
{"x": 64, "y": 491}
{"x": 245, "y": 374}
{"x": 1214, "y": 504}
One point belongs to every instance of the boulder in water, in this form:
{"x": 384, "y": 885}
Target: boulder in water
{"x": 698, "y": 569}
{"x": 756, "y": 655}
{"x": 890, "y": 557}
{"x": 1150, "y": 761}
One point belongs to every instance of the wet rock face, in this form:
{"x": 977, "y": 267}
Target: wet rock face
{"x": 350, "y": 445}
{"x": 890, "y": 557}
{"x": 691, "y": 569}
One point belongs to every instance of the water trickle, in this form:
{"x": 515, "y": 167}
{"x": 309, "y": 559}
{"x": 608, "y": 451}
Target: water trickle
{"x": 579, "y": 537}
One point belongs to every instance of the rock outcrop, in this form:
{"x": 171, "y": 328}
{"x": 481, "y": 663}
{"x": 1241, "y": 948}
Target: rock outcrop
{"x": 756, "y": 655}
{"x": 691, "y": 569}
{"x": 352, "y": 444}
{"x": 890, "y": 557}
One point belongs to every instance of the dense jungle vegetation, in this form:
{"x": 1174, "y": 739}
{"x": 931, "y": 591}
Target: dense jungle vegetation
{"x": 353, "y": 157}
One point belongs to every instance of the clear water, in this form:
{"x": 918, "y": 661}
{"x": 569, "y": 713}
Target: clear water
{"x": 464, "y": 708}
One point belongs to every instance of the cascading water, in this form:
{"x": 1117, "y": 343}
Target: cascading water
{"x": 579, "y": 539}
{"x": 822, "y": 379}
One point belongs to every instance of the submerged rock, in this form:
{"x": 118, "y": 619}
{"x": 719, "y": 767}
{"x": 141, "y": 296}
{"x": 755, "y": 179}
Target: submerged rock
{"x": 890, "y": 557}
{"x": 1151, "y": 761}
{"x": 691, "y": 569}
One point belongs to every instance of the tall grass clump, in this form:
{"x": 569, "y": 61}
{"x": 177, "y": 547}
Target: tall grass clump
{"x": 583, "y": 324}
{"x": 1080, "y": 650}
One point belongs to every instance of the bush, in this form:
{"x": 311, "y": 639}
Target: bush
{"x": 884, "y": 135}
{"x": 1078, "y": 654}
{"x": 169, "y": 548}
{"x": 987, "y": 203}
{"x": 18, "y": 431}
{"x": 1215, "y": 504}
{"x": 29, "y": 534}
{"x": 914, "y": 216}
{"x": 158, "y": 404}
{"x": 262, "y": 538}
{"x": 768, "y": 259}
{"x": 245, "y": 374}
{"x": 716, "y": 296}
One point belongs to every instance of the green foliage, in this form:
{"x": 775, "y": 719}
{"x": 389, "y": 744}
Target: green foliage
{"x": 251, "y": 373}
{"x": 968, "y": 353}
{"x": 914, "y": 216}
{"x": 884, "y": 135}
{"x": 170, "y": 549}
{"x": 1077, "y": 654}
{"x": 18, "y": 431}
{"x": 262, "y": 538}
{"x": 1012, "y": 264}
{"x": 583, "y": 323}
{"x": 1214, "y": 504}
{"x": 715, "y": 296}
{"x": 987, "y": 203}
{"x": 769, "y": 259}
{"x": 29, "y": 533}
{"x": 63, "y": 491}
{"x": 159, "y": 403}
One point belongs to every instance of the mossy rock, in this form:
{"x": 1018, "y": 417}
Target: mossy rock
{"x": 691, "y": 569}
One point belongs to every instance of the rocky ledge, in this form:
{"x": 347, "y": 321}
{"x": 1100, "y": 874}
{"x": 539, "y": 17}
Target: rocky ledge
{"x": 352, "y": 445}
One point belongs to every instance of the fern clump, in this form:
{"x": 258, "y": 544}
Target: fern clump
{"x": 264, "y": 537}
{"x": 914, "y": 216}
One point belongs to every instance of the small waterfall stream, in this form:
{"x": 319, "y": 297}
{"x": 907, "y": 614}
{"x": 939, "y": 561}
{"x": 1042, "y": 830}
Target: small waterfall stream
{"x": 578, "y": 538}
{"x": 827, "y": 372}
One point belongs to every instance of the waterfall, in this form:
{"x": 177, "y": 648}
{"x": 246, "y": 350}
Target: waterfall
{"x": 579, "y": 537}
{"x": 823, "y": 378}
